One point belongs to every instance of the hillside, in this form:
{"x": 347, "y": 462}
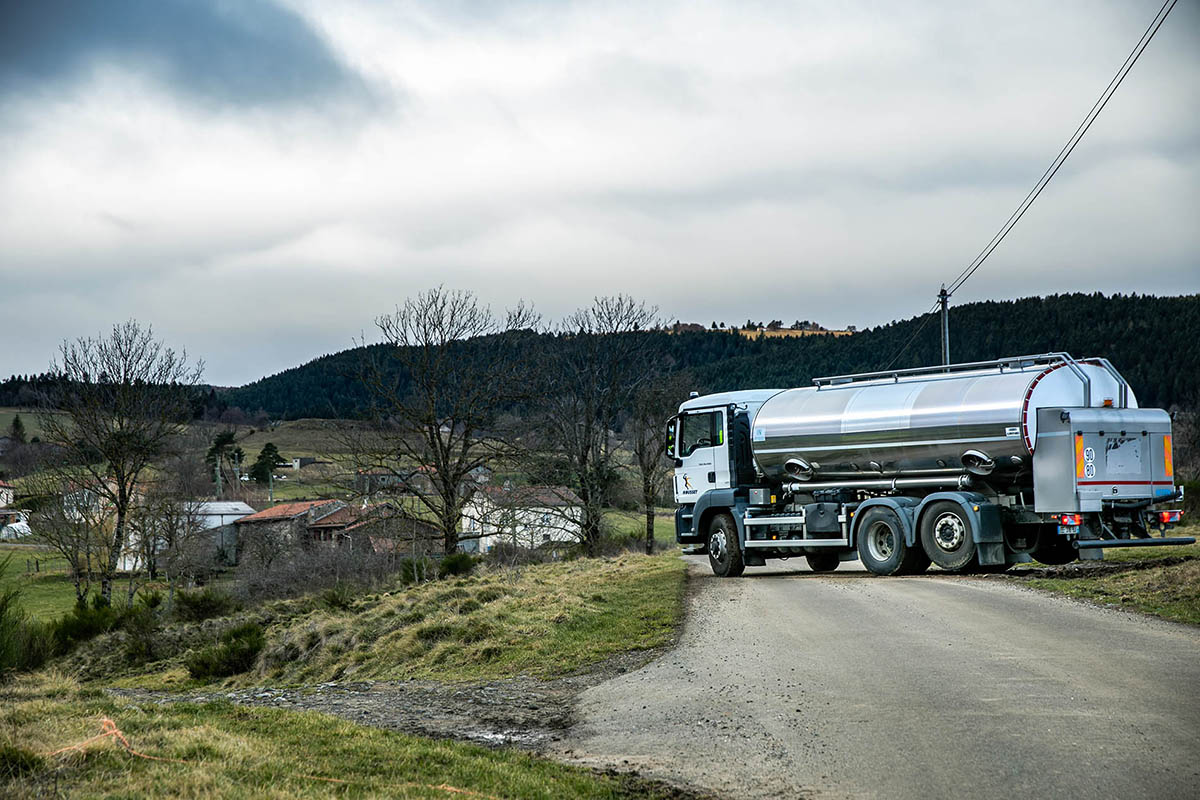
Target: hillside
{"x": 1150, "y": 339}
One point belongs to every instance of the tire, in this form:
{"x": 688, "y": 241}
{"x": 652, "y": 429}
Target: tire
{"x": 915, "y": 561}
{"x": 946, "y": 536}
{"x": 881, "y": 546}
{"x": 724, "y": 552}
{"x": 822, "y": 562}
{"x": 1053, "y": 549}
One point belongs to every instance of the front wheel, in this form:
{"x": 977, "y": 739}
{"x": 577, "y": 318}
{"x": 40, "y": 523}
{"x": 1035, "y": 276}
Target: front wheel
{"x": 724, "y": 553}
{"x": 822, "y": 562}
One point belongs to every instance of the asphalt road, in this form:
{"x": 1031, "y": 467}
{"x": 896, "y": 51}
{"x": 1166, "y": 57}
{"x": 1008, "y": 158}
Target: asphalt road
{"x": 790, "y": 684}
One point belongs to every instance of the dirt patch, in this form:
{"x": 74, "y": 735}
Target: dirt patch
{"x": 1088, "y": 569}
{"x": 522, "y": 712}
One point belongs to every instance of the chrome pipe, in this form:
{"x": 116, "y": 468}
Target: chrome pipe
{"x": 959, "y": 481}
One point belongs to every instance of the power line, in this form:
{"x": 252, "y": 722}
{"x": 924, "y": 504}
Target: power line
{"x": 1051, "y": 170}
{"x": 911, "y": 339}
{"x": 1068, "y": 148}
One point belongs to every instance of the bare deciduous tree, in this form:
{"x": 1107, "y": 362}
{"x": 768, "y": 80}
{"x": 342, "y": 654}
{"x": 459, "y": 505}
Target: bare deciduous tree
{"x": 653, "y": 404}
{"x": 590, "y": 375}
{"x": 168, "y": 524}
{"x": 121, "y": 398}
{"x": 73, "y": 528}
{"x": 437, "y": 402}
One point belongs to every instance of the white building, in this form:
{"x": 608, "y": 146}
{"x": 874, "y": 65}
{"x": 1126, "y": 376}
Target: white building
{"x": 8, "y": 494}
{"x": 198, "y": 519}
{"x": 525, "y": 516}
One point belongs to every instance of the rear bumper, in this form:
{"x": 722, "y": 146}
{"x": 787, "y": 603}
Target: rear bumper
{"x": 1092, "y": 544}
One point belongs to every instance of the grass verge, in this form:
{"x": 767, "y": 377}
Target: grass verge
{"x": 1170, "y": 591}
{"x": 544, "y": 620}
{"x": 222, "y": 750}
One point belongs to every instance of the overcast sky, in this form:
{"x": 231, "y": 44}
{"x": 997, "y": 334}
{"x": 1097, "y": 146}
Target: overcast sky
{"x": 259, "y": 180}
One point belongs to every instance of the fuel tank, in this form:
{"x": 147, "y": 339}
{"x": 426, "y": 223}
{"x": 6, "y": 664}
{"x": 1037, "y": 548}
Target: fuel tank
{"x": 978, "y": 418}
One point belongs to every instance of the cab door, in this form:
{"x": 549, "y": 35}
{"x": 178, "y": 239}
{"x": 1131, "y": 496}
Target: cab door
{"x": 702, "y": 454}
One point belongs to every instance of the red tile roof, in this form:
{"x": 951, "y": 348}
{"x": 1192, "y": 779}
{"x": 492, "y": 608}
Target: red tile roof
{"x": 344, "y": 516}
{"x": 284, "y": 511}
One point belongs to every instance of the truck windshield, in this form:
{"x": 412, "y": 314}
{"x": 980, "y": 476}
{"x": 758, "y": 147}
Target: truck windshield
{"x": 699, "y": 430}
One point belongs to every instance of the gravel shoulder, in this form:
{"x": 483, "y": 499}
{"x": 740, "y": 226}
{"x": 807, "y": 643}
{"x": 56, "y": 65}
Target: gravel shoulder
{"x": 789, "y": 684}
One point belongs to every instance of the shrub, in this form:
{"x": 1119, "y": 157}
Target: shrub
{"x": 84, "y": 622}
{"x": 235, "y": 652}
{"x": 338, "y": 597}
{"x": 205, "y": 604}
{"x": 141, "y": 635}
{"x": 152, "y": 599}
{"x": 456, "y": 564}
{"x": 25, "y": 644}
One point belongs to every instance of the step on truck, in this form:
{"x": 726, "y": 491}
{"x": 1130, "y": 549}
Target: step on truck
{"x": 972, "y": 467}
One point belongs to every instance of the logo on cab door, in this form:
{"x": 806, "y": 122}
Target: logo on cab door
{"x": 687, "y": 485}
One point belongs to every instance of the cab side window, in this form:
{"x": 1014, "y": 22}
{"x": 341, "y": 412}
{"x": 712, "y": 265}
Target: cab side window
{"x": 699, "y": 430}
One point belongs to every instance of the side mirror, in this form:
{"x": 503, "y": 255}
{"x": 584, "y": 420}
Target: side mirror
{"x": 671, "y": 438}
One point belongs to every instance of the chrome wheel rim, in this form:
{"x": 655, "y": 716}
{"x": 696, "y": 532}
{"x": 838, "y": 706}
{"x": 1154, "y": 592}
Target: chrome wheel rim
{"x": 949, "y": 532}
{"x": 881, "y": 541}
{"x": 717, "y": 545}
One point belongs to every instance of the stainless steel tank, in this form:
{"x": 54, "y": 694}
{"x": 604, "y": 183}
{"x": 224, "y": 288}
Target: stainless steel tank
{"x": 979, "y": 418}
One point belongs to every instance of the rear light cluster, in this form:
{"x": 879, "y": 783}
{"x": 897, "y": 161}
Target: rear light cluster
{"x": 1169, "y": 517}
{"x": 1068, "y": 519}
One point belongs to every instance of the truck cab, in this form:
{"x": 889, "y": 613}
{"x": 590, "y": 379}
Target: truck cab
{"x": 709, "y": 440}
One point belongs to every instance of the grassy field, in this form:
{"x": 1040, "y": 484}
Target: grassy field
{"x": 632, "y": 524}
{"x": 46, "y": 593}
{"x": 28, "y": 419}
{"x": 222, "y": 750}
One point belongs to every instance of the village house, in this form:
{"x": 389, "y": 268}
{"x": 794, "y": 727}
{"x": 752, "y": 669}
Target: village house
{"x": 385, "y": 529}
{"x": 8, "y": 494}
{"x": 287, "y": 524}
{"x": 202, "y": 526}
{"x": 524, "y": 516}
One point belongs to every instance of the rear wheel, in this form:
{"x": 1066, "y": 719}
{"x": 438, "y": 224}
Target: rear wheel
{"x": 881, "y": 544}
{"x": 1053, "y": 549}
{"x": 946, "y": 536}
{"x": 724, "y": 554}
{"x": 822, "y": 562}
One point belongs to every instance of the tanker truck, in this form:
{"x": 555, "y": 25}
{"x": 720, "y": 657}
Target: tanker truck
{"x": 972, "y": 467}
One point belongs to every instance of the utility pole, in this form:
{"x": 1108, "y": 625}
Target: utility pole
{"x": 217, "y": 475}
{"x": 943, "y": 301}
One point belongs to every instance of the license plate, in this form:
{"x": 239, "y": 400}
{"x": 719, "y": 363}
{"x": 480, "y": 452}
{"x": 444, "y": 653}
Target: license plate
{"x": 1068, "y": 530}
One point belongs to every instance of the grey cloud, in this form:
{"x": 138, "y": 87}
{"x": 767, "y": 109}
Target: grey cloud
{"x": 250, "y": 52}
